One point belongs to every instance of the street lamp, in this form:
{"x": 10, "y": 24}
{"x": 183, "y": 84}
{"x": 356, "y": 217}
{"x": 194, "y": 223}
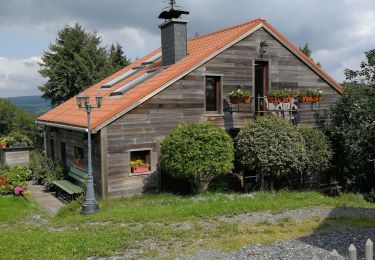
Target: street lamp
{"x": 90, "y": 205}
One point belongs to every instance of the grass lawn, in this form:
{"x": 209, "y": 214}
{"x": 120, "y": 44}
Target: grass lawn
{"x": 186, "y": 223}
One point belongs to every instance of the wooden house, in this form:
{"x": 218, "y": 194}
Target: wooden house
{"x": 185, "y": 80}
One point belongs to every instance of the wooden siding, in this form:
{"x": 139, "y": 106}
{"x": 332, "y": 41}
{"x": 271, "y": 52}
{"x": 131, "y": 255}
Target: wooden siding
{"x": 78, "y": 139}
{"x": 147, "y": 125}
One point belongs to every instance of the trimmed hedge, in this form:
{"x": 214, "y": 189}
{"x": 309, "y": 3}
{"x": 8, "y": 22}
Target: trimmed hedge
{"x": 197, "y": 152}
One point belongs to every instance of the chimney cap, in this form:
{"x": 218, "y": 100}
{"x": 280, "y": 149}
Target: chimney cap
{"x": 172, "y": 14}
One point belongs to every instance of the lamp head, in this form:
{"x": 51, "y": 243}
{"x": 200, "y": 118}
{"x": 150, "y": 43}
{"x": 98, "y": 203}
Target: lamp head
{"x": 99, "y": 100}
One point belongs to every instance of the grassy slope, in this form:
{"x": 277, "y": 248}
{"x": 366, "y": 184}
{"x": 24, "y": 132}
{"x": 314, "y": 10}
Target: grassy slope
{"x": 188, "y": 222}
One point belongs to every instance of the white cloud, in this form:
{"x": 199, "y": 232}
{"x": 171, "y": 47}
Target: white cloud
{"x": 19, "y": 77}
{"x": 135, "y": 41}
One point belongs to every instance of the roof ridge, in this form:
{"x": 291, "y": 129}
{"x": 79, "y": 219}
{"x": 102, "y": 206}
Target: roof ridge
{"x": 228, "y": 28}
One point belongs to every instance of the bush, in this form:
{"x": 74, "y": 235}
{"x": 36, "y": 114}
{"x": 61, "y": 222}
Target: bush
{"x": 198, "y": 152}
{"x": 45, "y": 171}
{"x": 12, "y": 178}
{"x": 270, "y": 145}
{"x": 318, "y": 150}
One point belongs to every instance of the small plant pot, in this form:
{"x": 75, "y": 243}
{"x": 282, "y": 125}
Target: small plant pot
{"x": 304, "y": 99}
{"x": 272, "y": 99}
{"x": 140, "y": 169}
{"x": 2, "y": 146}
{"x": 247, "y": 100}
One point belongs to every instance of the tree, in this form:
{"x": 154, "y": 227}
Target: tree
{"x": 366, "y": 73}
{"x": 354, "y": 135}
{"x": 76, "y": 61}
{"x": 198, "y": 152}
{"x": 17, "y": 120}
{"x": 307, "y": 51}
{"x": 270, "y": 145}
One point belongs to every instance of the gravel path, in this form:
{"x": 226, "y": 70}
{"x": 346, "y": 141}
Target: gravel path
{"x": 319, "y": 244}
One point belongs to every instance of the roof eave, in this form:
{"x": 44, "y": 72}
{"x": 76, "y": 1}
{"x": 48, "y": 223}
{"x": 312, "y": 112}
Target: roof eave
{"x": 63, "y": 126}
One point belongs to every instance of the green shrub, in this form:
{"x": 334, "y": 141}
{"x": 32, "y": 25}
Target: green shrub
{"x": 198, "y": 152}
{"x": 18, "y": 174}
{"x": 370, "y": 197}
{"x": 310, "y": 93}
{"x": 11, "y": 178}
{"x": 45, "y": 171}
{"x": 270, "y": 145}
{"x": 318, "y": 149}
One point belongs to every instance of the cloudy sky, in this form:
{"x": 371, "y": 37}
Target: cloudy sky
{"x": 338, "y": 31}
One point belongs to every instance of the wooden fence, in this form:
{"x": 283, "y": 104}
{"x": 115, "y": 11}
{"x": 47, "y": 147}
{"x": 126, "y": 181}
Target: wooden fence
{"x": 352, "y": 252}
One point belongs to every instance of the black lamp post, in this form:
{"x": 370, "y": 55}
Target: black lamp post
{"x": 263, "y": 48}
{"x": 90, "y": 205}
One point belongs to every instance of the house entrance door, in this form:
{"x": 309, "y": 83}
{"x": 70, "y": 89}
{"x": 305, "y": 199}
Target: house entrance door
{"x": 261, "y": 85}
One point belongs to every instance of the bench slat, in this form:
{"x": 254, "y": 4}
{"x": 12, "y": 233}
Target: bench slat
{"x": 67, "y": 186}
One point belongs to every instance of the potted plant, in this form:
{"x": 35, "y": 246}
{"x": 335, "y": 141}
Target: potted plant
{"x": 79, "y": 162}
{"x": 246, "y": 97}
{"x": 236, "y": 97}
{"x": 310, "y": 95}
{"x": 283, "y": 95}
{"x": 138, "y": 166}
{"x": 239, "y": 96}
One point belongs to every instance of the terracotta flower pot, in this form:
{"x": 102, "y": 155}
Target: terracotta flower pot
{"x": 140, "y": 169}
{"x": 247, "y": 100}
{"x": 236, "y": 100}
{"x": 303, "y": 99}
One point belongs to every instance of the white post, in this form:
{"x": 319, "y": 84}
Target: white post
{"x": 334, "y": 255}
{"x": 352, "y": 252}
{"x": 369, "y": 250}
{"x": 315, "y": 258}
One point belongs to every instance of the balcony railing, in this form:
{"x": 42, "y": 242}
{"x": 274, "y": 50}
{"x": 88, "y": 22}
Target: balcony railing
{"x": 291, "y": 111}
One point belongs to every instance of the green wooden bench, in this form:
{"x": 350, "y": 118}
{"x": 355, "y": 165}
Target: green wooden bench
{"x": 71, "y": 188}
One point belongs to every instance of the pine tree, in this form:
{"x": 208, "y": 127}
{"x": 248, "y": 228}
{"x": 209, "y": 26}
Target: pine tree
{"x": 76, "y": 61}
{"x": 307, "y": 51}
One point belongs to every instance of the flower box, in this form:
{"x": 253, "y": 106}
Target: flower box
{"x": 236, "y": 100}
{"x": 79, "y": 165}
{"x": 140, "y": 169}
{"x": 273, "y": 99}
{"x": 303, "y": 99}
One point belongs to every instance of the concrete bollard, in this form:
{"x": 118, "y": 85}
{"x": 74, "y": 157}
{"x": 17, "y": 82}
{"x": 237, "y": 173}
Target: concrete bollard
{"x": 369, "y": 250}
{"x": 352, "y": 252}
{"x": 334, "y": 255}
{"x": 317, "y": 258}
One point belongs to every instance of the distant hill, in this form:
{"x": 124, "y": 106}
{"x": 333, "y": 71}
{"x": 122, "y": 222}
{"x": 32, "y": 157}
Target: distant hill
{"x": 33, "y": 104}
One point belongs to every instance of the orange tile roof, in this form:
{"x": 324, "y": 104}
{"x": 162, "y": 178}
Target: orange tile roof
{"x": 199, "y": 49}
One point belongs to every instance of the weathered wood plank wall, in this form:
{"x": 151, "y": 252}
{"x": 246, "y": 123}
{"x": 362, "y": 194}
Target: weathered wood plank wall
{"x": 78, "y": 139}
{"x": 145, "y": 126}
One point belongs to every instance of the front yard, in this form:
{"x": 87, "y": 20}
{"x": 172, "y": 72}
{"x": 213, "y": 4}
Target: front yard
{"x": 166, "y": 226}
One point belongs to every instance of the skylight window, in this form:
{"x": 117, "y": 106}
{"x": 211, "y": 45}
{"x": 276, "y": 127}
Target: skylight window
{"x": 120, "y": 78}
{"x": 152, "y": 59}
{"x": 134, "y": 82}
